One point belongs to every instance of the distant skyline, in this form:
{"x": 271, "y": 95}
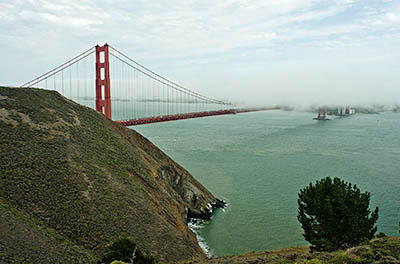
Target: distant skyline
{"x": 265, "y": 52}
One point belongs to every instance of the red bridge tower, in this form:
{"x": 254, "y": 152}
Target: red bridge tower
{"x": 103, "y": 94}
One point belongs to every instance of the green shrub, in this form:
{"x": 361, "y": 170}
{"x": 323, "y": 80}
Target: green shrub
{"x": 384, "y": 247}
{"x": 312, "y": 261}
{"x": 126, "y": 250}
{"x": 344, "y": 259}
{"x": 335, "y": 214}
{"x": 394, "y": 244}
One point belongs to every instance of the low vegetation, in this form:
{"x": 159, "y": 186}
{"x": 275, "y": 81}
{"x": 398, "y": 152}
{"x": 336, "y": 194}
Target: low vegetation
{"x": 384, "y": 250}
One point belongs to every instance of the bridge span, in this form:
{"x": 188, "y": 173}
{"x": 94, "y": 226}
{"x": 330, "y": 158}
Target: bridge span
{"x": 138, "y": 95}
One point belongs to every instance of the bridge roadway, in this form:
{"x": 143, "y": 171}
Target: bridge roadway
{"x": 166, "y": 118}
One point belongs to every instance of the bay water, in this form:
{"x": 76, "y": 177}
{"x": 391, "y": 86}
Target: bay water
{"x": 259, "y": 161}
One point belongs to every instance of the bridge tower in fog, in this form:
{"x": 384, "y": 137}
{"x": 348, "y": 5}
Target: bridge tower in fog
{"x": 128, "y": 92}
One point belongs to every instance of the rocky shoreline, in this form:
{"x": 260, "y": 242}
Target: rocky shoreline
{"x": 206, "y": 213}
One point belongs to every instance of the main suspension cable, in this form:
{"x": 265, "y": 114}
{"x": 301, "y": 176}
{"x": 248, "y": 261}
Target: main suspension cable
{"x": 59, "y": 68}
{"x": 169, "y": 81}
{"x": 167, "y": 84}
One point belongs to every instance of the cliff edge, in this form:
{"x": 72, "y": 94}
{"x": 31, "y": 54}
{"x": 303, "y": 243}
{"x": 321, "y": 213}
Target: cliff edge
{"x": 72, "y": 182}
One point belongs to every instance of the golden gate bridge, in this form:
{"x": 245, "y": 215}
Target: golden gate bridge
{"x": 128, "y": 92}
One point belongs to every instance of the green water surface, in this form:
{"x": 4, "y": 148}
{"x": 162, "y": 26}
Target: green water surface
{"x": 257, "y": 162}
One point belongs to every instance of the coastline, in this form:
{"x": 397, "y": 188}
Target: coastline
{"x": 195, "y": 226}
{"x": 196, "y": 221}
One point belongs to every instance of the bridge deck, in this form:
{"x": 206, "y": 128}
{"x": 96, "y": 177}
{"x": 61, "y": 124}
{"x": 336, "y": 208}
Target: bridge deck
{"x": 166, "y": 118}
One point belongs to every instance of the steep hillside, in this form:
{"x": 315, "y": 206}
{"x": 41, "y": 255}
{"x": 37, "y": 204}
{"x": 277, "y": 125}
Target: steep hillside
{"x": 72, "y": 182}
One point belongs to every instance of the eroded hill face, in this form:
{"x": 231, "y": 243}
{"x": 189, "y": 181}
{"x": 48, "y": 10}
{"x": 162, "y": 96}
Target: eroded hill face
{"x": 72, "y": 182}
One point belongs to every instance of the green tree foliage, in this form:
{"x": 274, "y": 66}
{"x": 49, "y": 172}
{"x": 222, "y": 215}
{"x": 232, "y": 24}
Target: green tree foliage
{"x": 125, "y": 250}
{"x": 335, "y": 214}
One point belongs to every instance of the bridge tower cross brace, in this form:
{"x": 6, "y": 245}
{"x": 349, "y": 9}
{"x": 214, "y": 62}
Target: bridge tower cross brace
{"x": 103, "y": 94}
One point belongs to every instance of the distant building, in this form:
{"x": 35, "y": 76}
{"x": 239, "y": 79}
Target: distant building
{"x": 347, "y": 110}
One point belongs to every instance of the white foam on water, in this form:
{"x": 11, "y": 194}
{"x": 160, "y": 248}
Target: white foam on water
{"x": 202, "y": 242}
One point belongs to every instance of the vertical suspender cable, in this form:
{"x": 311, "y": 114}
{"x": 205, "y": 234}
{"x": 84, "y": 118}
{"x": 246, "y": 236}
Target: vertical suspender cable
{"x": 133, "y": 93}
{"x": 158, "y": 99}
{"x": 54, "y": 82}
{"x": 128, "y": 81}
{"x": 92, "y": 77}
{"x": 119, "y": 85}
{"x": 124, "y": 90}
{"x": 168, "y": 100}
{"x": 165, "y": 109}
{"x": 85, "y": 78}
{"x": 62, "y": 82}
{"x": 79, "y": 80}
{"x": 145, "y": 95}
{"x": 153, "y": 97}
{"x": 123, "y": 84}
{"x": 143, "y": 104}
{"x": 70, "y": 80}
{"x": 130, "y": 90}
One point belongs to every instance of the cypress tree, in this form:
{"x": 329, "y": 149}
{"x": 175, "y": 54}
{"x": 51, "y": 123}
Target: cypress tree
{"x": 335, "y": 214}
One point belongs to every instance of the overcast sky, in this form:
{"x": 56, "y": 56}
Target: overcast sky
{"x": 269, "y": 51}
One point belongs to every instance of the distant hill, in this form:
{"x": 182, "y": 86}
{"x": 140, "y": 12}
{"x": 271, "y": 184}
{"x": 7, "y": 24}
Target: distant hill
{"x": 72, "y": 182}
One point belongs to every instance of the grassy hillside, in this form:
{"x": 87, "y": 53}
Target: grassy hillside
{"x": 72, "y": 182}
